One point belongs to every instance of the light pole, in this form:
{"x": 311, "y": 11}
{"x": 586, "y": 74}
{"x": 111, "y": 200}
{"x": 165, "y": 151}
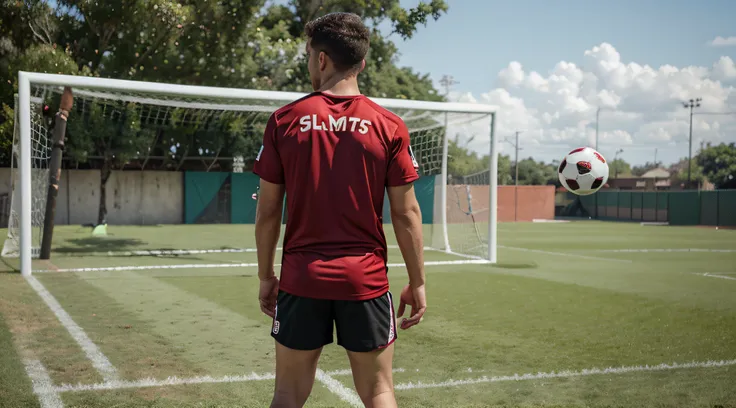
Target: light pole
{"x": 655, "y": 158}
{"x": 691, "y": 104}
{"x": 597, "y": 120}
{"x": 615, "y": 157}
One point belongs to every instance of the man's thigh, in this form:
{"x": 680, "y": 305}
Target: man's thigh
{"x": 367, "y": 325}
{"x": 302, "y": 323}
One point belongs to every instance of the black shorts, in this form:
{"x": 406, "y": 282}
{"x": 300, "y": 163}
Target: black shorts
{"x": 362, "y": 325}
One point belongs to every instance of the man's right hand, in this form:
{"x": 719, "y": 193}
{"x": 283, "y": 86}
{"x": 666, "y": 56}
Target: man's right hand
{"x": 417, "y": 299}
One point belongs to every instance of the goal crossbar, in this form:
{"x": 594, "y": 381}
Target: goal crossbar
{"x": 27, "y": 79}
{"x": 233, "y": 93}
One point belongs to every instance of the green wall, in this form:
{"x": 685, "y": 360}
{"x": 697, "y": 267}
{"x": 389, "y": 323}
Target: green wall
{"x": 716, "y": 208}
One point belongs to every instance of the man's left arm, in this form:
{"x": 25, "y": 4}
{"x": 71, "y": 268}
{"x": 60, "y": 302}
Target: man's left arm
{"x": 269, "y": 168}
{"x": 268, "y": 226}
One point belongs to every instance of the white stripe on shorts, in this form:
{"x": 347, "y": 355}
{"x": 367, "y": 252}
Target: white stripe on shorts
{"x": 390, "y": 318}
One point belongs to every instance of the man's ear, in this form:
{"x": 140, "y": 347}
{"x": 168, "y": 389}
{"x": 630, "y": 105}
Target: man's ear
{"x": 362, "y": 65}
{"x": 322, "y": 61}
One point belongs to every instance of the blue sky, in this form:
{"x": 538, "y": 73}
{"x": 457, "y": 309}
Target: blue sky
{"x": 478, "y": 38}
{"x": 647, "y": 57}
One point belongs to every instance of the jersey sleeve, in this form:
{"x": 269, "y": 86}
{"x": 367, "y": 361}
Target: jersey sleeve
{"x": 403, "y": 166}
{"x": 268, "y": 164}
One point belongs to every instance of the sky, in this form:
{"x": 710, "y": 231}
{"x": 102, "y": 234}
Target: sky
{"x": 549, "y": 65}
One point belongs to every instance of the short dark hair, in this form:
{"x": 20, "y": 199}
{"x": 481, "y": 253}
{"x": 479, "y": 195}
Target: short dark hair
{"x": 342, "y": 36}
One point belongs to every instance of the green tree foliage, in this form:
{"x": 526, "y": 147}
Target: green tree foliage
{"x": 463, "y": 162}
{"x": 679, "y": 172}
{"x": 532, "y": 172}
{"x": 234, "y": 43}
{"x": 619, "y": 168}
{"x": 718, "y": 164}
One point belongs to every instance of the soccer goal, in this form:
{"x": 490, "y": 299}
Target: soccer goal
{"x": 171, "y": 124}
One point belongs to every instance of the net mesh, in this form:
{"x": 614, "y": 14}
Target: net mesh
{"x": 40, "y": 155}
{"x": 146, "y": 131}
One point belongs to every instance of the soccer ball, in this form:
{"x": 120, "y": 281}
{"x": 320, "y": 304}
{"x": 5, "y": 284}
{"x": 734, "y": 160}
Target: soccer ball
{"x": 583, "y": 171}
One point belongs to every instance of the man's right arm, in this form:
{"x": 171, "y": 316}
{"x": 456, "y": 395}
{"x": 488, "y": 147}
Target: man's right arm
{"x": 406, "y": 218}
{"x": 407, "y": 221}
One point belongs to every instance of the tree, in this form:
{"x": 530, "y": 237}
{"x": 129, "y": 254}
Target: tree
{"x": 213, "y": 43}
{"x": 620, "y": 168}
{"x": 719, "y": 164}
{"x": 27, "y": 30}
{"x": 532, "y": 172}
{"x": 679, "y": 172}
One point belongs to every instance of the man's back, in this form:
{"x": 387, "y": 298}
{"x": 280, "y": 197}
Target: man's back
{"x": 336, "y": 155}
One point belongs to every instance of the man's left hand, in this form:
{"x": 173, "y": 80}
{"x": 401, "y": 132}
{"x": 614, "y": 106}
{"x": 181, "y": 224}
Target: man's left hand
{"x": 268, "y": 294}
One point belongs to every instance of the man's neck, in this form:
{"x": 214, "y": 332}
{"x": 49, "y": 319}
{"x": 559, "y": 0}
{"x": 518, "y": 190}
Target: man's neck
{"x": 341, "y": 86}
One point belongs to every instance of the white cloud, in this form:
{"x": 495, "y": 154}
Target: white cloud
{"x": 724, "y": 69}
{"x": 723, "y": 41}
{"x": 641, "y": 106}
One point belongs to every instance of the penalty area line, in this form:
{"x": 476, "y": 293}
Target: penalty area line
{"x": 174, "y": 381}
{"x": 336, "y": 387}
{"x": 43, "y": 387}
{"x": 564, "y": 374}
{"x": 232, "y": 265}
{"x": 539, "y": 251}
{"x": 93, "y": 353}
{"x": 176, "y": 252}
{"x": 170, "y": 381}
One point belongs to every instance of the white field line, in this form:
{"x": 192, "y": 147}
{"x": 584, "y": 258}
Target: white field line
{"x": 336, "y": 387}
{"x": 169, "y": 252}
{"x": 43, "y": 387}
{"x": 569, "y": 255}
{"x": 338, "y": 373}
{"x": 666, "y": 250}
{"x": 172, "y": 381}
{"x": 712, "y": 275}
{"x": 99, "y": 361}
{"x": 327, "y": 379}
{"x": 563, "y": 374}
{"x": 461, "y": 255}
{"x": 232, "y": 265}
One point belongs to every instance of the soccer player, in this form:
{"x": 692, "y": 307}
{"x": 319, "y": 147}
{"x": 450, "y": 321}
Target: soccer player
{"x": 334, "y": 153}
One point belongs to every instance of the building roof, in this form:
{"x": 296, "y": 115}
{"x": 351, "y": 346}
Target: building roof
{"x": 656, "y": 173}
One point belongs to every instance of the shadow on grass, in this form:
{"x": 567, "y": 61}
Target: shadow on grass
{"x": 501, "y": 265}
{"x": 99, "y": 244}
{"x": 6, "y": 267}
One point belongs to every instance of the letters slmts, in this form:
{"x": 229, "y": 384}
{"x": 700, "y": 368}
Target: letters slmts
{"x": 340, "y": 124}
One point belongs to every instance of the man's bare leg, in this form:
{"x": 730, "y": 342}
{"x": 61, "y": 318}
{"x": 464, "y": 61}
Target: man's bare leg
{"x": 295, "y": 371}
{"x": 373, "y": 377}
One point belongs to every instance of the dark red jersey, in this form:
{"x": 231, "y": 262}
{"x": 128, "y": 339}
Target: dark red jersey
{"x": 336, "y": 155}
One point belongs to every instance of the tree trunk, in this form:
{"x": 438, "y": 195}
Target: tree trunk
{"x": 104, "y": 176}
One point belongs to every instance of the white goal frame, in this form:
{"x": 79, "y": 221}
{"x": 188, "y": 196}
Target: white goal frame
{"x": 26, "y": 79}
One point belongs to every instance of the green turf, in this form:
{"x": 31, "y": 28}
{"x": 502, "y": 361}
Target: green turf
{"x": 558, "y": 299}
{"x": 16, "y": 389}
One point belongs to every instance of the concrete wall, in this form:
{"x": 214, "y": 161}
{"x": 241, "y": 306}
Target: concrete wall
{"x": 157, "y": 197}
{"x": 133, "y": 197}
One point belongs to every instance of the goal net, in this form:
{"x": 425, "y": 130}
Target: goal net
{"x": 173, "y": 156}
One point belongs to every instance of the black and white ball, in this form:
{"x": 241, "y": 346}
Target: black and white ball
{"x": 583, "y": 171}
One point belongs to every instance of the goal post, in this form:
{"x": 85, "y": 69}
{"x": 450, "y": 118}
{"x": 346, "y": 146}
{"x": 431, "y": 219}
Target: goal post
{"x": 160, "y": 104}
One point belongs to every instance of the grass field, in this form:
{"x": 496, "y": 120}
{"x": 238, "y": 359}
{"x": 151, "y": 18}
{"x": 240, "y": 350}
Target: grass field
{"x": 574, "y": 314}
